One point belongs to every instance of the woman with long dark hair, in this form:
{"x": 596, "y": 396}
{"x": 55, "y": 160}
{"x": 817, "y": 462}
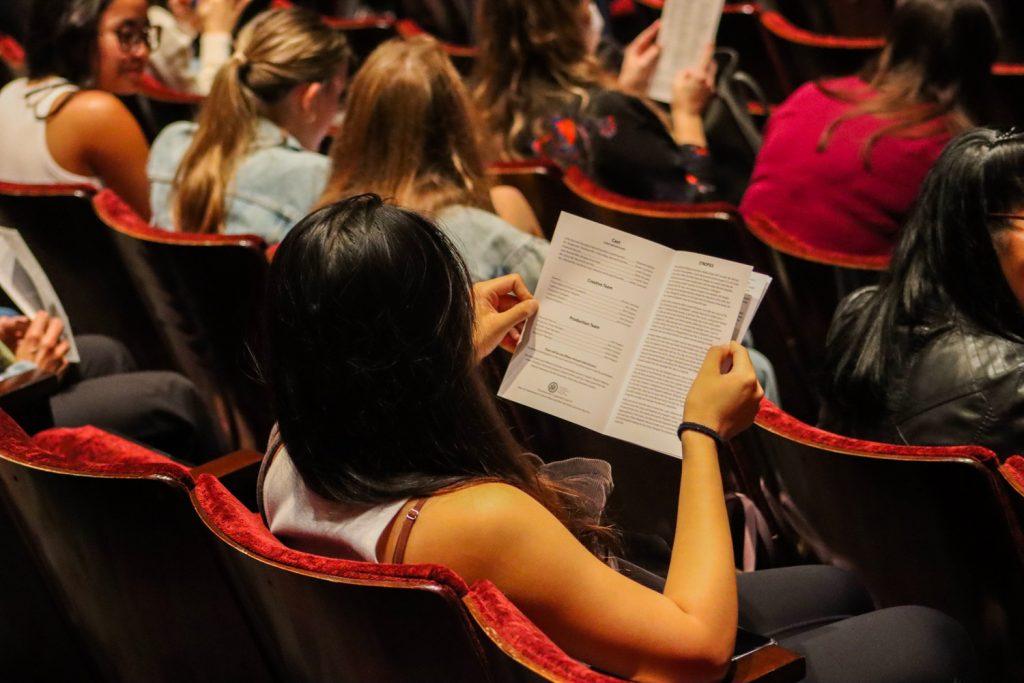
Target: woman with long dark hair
{"x": 62, "y": 124}
{"x": 373, "y": 337}
{"x": 934, "y": 355}
{"x": 843, "y": 159}
{"x": 543, "y": 93}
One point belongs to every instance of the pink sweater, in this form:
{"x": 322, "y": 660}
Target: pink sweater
{"x": 829, "y": 199}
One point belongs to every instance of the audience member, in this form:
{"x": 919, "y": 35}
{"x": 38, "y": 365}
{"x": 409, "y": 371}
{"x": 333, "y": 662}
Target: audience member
{"x": 409, "y": 134}
{"x": 175, "y": 61}
{"x": 63, "y": 124}
{"x": 543, "y": 94}
{"x": 373, "y": 335}
{"x": 250, "y": 165}
{"x": 105, "y": 388}
{"x": 934, "y": 355}
{"x": 843, "y": 159}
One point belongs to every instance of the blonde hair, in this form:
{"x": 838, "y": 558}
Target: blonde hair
{"x": 276, "y": 51}
{"x": 409, "y": 132}
{"x": 533, "y": 60}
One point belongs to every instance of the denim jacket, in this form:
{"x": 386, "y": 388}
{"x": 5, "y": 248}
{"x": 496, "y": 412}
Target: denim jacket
{"x": 275, "y": 185}
{"x": 491, "y": 247}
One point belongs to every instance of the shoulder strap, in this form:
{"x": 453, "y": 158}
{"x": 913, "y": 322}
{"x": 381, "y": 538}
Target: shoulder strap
{"x": 398, "y": 556}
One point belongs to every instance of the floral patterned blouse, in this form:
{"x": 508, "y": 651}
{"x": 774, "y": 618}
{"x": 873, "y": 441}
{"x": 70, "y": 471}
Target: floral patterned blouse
{"x": 619, "y": 142}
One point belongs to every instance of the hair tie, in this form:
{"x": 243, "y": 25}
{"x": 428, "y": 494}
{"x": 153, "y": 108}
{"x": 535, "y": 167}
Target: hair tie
{"x": 243, "y": 64}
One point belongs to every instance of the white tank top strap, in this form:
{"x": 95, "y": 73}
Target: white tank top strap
{"x": 40, "y": 97}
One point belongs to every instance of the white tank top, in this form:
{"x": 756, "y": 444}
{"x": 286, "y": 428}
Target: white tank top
{"x": 24, "y": 155}
{"x": 305, "y": 521}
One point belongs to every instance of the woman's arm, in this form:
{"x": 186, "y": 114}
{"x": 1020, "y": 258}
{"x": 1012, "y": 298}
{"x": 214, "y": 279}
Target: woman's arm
{"x": 510, "y": 204}
{"x": 496, "y": 532}
{"x": 95, "y": 134}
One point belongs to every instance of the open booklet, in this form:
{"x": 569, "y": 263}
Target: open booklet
{"x": 623, "y": 328}
{"x": 26, "y": 284}
{"x": 687, "y": 28}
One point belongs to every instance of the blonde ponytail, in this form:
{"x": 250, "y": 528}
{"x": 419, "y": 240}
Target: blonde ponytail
{"x": 276, "y": 51}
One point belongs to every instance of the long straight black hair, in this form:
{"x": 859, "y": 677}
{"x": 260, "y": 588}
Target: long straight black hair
{"x": 62, "y": 39}
{"x": 370, "y": 361}
{"x": 944, "y": 265}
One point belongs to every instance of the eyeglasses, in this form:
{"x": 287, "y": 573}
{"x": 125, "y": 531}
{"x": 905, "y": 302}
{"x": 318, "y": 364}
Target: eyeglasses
{"x": 130, "y": 35}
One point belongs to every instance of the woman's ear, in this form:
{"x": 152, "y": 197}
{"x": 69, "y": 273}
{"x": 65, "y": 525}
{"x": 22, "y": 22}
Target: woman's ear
{"x": 308, "y": 93}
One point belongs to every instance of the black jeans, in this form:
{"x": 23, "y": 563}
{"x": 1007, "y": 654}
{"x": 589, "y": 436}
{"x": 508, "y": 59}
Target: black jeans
{"x": 156, "y": 408}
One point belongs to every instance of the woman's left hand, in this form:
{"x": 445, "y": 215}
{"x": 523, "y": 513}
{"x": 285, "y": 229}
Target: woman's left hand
{"x": 501, "y": 308}
{"x": 638, "y": 61}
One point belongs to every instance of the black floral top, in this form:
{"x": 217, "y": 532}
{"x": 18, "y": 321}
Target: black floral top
{"x": 621, "y": 144}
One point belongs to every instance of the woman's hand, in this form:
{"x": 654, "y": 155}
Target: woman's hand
{"x": 725, "y": 395}
{"x": 42, "y": 345}
{"x": 639, "y": 60}
{"x": 692, "y": 89}
{"x": 220, "y": 16}
{"x": 12, "y": 329}
{"x": 185, "y": 12}
{"x": 501, "y": 308}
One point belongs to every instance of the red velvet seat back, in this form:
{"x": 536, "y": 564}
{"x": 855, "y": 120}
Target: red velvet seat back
{"x": 82, "y": 261}
{"x": 928, "y": 526}
{"x": 801, "y": 56}
{"x": 329, "y": 619}
{"x": 206, "y": 292}
{"x": 132, "y": 566}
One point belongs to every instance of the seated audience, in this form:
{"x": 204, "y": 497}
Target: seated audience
{"x": 63, "y": 124}
{"x": 106, "y": 390}
{"x": 250, "y": 165}
{"x": 373, "y": 335}
{"x": 843, "y": 159}
{"x": 181, "y": 23}
{"x": 543, "y": 94}
{"x": 409, "y": 134}
{"x": 934, "y": 355}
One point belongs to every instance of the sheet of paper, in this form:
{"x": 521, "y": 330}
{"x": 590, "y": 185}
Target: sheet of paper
{"x": 24, "y": 281}
{"x": 687, "y": 28}
{"x": 597, "y": 292}
{"x": 698, "y": 309}
{"x": 757, "y": 285}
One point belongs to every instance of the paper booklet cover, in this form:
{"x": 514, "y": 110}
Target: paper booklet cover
{"x": 623, "y": 328}
{"x": 687, "y": 28}
{"x": 24, "y": 281}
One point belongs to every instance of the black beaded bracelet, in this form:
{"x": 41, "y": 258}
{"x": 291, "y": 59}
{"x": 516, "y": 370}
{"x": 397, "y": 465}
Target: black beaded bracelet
{"x": 697, "y": 427}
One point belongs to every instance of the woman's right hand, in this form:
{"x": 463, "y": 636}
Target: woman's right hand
{"x": 501, "y": 308}
{"x": 42, "y": 344}
{"x": 725, "y": 395}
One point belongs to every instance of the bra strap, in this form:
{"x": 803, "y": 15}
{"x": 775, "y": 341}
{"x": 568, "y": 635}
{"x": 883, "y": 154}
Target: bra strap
{"x": 398, "y": 556}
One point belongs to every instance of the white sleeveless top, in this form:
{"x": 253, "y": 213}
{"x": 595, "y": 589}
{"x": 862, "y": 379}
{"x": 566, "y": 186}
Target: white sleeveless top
{"x": 302, "y": 520}
{"x": 24, "y": 155}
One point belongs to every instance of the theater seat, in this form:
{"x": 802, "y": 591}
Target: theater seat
{"x": 205, "y": 292}
{"x": 81, "y": 260}
{"x": 1013, "y": 473}
{"x": 541, "y": 183}
{"x": 339, "y": 620}
{"x": 926, "y": 526}
{"x": 364, "y": 34}
{"x": 115, "y": 535}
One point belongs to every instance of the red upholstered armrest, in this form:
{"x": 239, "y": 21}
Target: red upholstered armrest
{"x": 780, "y": 26}
{"x": 407, "y": 28}
{"x": 577, "y": 181}
{"x": 766, "y": 230}
{"x": 23, "y": 190}
{"x": 1013, "y": 471}
{"x": 92, "y": 451}
{"x": 116, "y": 213}
{"x": 11, "y": 51}
{"x": 775, "y": 420}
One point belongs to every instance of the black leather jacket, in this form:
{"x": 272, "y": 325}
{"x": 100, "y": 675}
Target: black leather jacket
{"x": 961, "y": 385}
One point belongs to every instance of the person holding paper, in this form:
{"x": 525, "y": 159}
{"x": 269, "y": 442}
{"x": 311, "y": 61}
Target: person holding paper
{"x": 542, "y": 93}
{"x": 106, "y": 390}
{"x": 373, "y": 334}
